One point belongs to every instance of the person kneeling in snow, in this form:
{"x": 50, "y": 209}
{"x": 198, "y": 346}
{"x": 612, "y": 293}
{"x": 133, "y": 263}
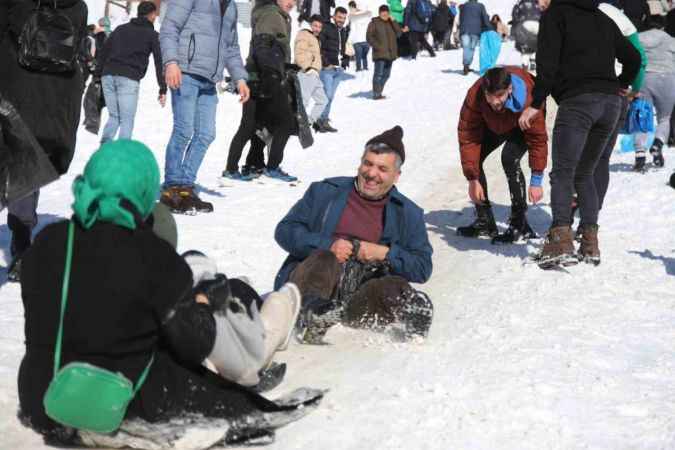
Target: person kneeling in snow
{"x": 489, "y": 118}
{"x": 355, "y": 244}
{"x": 131, "y": 310}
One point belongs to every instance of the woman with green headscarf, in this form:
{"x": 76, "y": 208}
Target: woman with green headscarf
{"x": 130, "y": 301}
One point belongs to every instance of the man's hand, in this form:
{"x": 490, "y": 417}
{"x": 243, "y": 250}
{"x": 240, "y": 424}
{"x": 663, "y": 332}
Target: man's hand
{"x": 476, "y": 193}
{"x": 527, "y": 117}
{"x": 369, "y": 252}
{"x": 342, "y": 249}
{"x": 244, "y": 91}
{"x": 405, "y": 29}
{"x": 202, "y": 298}
{"x": 173, "y": 75}
{"x": 162, "y": 100}
{"x": 535, "y": 193}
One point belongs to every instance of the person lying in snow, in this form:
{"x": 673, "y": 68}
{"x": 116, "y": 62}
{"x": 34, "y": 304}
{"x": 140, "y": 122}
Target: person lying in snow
{"x": 355, "y": 244}
{"x": 130, "y": 305}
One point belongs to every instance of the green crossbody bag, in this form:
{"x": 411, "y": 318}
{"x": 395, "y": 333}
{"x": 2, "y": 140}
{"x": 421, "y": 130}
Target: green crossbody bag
{"x": 81, "y": 395}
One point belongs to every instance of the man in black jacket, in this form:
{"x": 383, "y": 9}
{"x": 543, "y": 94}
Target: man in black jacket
{"x": 121, "y": 66}
{"x": 333, "y": 39}
{"x": 577, "y": 48}
{"x": 309, "y": 8}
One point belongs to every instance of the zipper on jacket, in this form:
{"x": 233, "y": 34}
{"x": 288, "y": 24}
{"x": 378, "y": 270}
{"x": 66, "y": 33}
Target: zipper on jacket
{"x": 220, "y": 33}
{"x": 192, "y": 48}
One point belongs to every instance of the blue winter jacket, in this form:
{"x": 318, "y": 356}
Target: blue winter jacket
{"x": 200, "y": 40}
{"x": 412, "y": 20}
{"x": 473, "y": 18}
{"x": 310, "y": 225}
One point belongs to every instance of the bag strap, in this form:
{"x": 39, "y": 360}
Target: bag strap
{"x": 64, "y": 299}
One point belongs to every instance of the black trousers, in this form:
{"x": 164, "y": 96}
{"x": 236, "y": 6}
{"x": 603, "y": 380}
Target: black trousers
{"x": 513, "y": 151}
{"x": 418, "y": 38}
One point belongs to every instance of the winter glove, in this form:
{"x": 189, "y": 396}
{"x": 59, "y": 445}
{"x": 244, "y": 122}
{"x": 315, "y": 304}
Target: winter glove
{"x": 345, "y": 62}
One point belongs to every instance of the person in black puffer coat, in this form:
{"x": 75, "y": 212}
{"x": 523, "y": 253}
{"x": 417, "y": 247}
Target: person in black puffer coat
{"x": 440, "y": 23}
{"x": 49, "y": 103}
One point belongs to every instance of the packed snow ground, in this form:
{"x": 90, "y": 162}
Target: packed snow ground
{"x": 517, "y": 358}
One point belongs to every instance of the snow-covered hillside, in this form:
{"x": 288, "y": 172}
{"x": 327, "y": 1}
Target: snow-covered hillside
{"x": 517, "y": 358}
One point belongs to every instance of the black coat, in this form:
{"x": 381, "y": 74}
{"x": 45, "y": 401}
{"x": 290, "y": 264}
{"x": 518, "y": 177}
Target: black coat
{"x": 127, "y": 49}
{"x": 333, "y": 43}
{"x": 49, "y": 103}
{"x": 578, "y": 46}
{"x": 637, "y": 11}
{"x": 130, "y": 295}
{"x": 440, "y": 22}
{"x": 324, "y": 9}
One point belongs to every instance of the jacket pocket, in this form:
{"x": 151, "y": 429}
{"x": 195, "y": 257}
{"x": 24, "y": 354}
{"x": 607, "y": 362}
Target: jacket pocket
{"x": 192, "y": 48}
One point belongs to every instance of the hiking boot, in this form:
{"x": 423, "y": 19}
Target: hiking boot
{"x": 589, "y": 251}
{"x": 558, "y": 249}
{"x": 318, "y": 126}
{"x": 417, "y": 313}
{"x": 316, "y": 317}
{"x": 518, "y": 230}
{"x": 640, "y": 161}
{"x": 657, "y": 154}
{"x": 237, "y": 176}
{"x": 172, "y": 199}
{"x": 328, "y": 127}
{"x": 280, "y": 175}
{"x": 484, "y": 225}
{"x": 192, "y": 202}
{"x": 251, "y": 171}
{"x": 377, "y": 92}
{"x": 466, "y": 70}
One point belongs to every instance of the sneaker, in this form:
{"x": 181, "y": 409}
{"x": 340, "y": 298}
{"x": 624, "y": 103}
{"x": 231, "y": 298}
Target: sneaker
{"x": 589, "y": 251}
{"x": 484, "y": 225}
{"x": 279, "y": 174}
{"x": 251, "y": 171}
{"x": 657, "y": 153}
{"x": 237, "y": 176}
{"x": 558, "y": 249}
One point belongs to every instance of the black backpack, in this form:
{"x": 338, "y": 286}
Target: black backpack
{"x": 47, "y": 42}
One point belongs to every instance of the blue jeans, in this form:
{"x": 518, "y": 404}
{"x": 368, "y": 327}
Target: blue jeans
{"x": 331, "y": 79}
{"x": 194, "y": 129}
{"x": 382, "y": 71}
{"x": 469, "y": 44}
{"x": 361, "y": 50}
{"x": 121, "y": 98}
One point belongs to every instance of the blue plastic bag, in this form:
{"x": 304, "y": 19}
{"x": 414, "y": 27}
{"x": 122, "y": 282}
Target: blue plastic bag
{"x": 490, "y": 46}
{"x": 627, "y": 142}
{"x": 640, "y": 117}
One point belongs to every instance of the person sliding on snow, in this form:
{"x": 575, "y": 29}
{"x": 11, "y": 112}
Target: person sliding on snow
{"x": 578, "y": 47}
{"x": 488, "y": 119}
{"x": 355, "y": 244}
{"x": 129, "y": 304}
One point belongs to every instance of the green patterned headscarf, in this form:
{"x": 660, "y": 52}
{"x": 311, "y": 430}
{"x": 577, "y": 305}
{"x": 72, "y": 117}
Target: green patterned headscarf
{"x": 119, "y": 170}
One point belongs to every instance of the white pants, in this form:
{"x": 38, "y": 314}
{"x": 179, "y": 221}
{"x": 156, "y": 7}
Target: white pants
{"x": 312, "y": 89}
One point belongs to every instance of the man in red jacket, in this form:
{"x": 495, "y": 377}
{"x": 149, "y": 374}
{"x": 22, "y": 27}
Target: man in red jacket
{"x": 489, "y": 118}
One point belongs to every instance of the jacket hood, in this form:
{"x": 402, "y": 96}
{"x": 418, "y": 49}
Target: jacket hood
{"x": 589, "y": 5}
{"x": 142, "y": 21}
{"x": 60, "y": 3}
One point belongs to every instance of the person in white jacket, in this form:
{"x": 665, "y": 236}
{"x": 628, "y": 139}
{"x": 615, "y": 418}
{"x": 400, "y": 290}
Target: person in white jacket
{"x": 359, "y": 20}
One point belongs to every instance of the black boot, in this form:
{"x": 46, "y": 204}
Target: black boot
{"x": 466, "y": 69}
{"x": 319, "y": 126}
{"x": 21, "y": 234}
{"x": 377, "y": 92}
{"x": 484, "y": 225}
{"x": 656, "y": 152}
{"x": 518, "y": 229}
{"x": 640, "y": 161}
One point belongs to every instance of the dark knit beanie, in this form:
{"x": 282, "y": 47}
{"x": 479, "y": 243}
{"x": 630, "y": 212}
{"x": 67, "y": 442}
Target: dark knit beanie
{"x": 393, "y": 139}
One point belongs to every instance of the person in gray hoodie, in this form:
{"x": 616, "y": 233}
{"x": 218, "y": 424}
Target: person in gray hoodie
{"x": 198, "y": 41}
{"x": 659, "y": 89}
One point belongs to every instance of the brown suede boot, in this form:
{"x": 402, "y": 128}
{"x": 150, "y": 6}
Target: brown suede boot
{"x": 171, "y": 199}
{"x": 558, "y": 249}
{"x": 589, "y": 251}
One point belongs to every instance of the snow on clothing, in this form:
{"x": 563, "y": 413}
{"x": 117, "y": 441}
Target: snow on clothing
{"x": 126, "y": 52}
{"x": 310, "y": 225}
{"x": 490, "y": 46}
{"x": 476, "y": 117}
{"x": 307, "y": 51}
{"x": 358, "y": 25}
{"x": 202, "y": 39}
{"x": 396, "y": 10}
{"x": 383, "y": 38}
{"x": 473, "y": 18}
{"x": 308, "y": 8}
{"x": 630, "y": 32}
{"x": 581, "y": 58}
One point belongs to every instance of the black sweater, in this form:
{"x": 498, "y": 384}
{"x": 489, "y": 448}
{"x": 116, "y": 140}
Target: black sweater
{"x": 127, "y": 50}
{"x": 577, "y": 49}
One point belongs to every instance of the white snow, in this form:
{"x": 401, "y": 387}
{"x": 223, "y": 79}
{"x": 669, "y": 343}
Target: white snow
{"x": 517, "y": 358}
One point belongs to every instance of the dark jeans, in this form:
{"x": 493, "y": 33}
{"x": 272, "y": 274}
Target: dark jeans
{"x": 382, "y": 71}
{"x": 21, "y": 219}
{"x": 439, "y": 37}
{"x": 361, "y": 50}
{"x": 601, "y": 174}
{"x": 583, "y": 128}
{"x": 512, "y": 153}
{"x": 377, "y": 299}
{"x": 418, "y": 38}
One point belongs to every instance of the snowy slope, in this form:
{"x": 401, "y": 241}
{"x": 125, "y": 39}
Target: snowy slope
{"x": 517, "y": 358}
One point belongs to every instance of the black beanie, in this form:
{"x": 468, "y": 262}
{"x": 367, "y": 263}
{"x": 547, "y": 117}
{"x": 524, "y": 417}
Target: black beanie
{"x": 393, "y": 139}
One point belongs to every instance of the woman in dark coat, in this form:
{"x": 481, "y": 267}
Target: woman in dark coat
{"x": 49, "y": 103}
{"x": 130, "y": 297}
{"x": 440, "y": 23}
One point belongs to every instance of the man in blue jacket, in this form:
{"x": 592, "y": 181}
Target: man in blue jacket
{"x": 198, "y": 41}
{"x": 473, "y": 20}
{"x": 354, "y": 246}
{"x": 417, "y": 20}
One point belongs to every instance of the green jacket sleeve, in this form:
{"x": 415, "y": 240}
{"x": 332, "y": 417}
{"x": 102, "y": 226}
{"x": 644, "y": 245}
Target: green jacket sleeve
{"x": 639, "y": 79}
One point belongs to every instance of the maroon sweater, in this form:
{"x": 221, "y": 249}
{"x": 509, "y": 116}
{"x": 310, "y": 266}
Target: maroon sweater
{"x": 361, "y": 219}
